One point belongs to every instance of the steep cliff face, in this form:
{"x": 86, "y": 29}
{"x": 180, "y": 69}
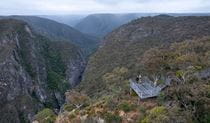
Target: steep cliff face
{"x": 125, "y": 46}
{"x": 35, "y": 72}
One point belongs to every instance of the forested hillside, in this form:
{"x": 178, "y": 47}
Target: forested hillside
{"x": 158, "y": 48}
{"x": 125, "y": 46}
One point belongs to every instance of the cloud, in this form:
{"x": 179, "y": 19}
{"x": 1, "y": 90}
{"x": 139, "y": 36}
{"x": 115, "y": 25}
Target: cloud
{"x": 101, "y": 6}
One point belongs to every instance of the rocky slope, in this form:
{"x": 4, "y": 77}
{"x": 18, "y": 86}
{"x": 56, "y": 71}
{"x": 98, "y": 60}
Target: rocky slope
{"x": 125, "y": 46}
{"x": 35, "y": 72}
{"x": 101, "y": 24}
{"x": 60, "y": 32}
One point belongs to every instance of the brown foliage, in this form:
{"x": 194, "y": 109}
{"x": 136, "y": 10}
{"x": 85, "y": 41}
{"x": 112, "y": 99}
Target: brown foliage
{"x": 76, "y": 98}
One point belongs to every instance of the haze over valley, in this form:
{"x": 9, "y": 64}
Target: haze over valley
{"x": 107, "y": 61}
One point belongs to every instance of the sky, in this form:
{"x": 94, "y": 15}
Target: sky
{"x": 66, "y": 7}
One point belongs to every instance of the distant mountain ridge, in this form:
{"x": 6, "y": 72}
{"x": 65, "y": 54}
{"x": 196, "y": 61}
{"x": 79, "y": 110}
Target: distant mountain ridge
{"x": 101, "y": 24}
{"x": 70, "y": 20}
{"x": 60, "y": 32}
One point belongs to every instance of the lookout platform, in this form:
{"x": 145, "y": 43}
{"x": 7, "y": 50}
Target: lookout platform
{"x": 146, "y": 89}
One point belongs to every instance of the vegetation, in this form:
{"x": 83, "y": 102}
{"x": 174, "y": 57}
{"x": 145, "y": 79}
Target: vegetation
{"x": 77, "y": 99}
{"x": 56, "y": 65}
{"x": 56, "y": 82}
{"x": 156, "y": 115}
{"x": 126, "y": 106}
{"x": 159, "y": 54}
{"x": 45, "y": 116}
{"x": 186, "y": 100}
{"x": 116, "y": 80}
{"x": 69, "y": 107}
{"x": 112, "y": 118}
{"x": 126, "y": 47}
{"x": 183, "y": 62}
{"x": 181, "y": 58}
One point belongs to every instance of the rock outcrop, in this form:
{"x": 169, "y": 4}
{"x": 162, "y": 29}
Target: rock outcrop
{"x": 35, "y": 72}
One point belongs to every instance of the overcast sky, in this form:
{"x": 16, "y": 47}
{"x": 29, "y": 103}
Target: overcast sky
{"x": 52, "y": 7}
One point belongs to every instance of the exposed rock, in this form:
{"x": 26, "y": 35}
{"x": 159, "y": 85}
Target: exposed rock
{"x": 26, "y": 60}
{"x": 204, "y": 74}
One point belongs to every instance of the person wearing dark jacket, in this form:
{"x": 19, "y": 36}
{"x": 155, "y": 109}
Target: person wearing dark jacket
{"x": 138, "y": 78}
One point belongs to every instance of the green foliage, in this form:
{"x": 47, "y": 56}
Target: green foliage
{"x": 56, "y": 82}
{"x": 180, "y": 73}
{"x": 198, "y": 68}
{"x": 161, "y": 98}
{"x": 191, "y": 97}
{"x": 46, "y": 116}
{"x": 72, "y": 115}
{"x": 142, "y": 109}
{"x": 182, "y": 58}
{"x": 118, "y": 74}
{"x": 126, "y": 107}
{"x": 116, "y": 80}
{"x": 156, "y": 115}
{"x": 56, "y": 63}
{"x": 53, "y": 56}
{"x": 133, "y": 93}
{"x": 112, "y": 118}
{"x": 53, "y": 80}
{"x": 56, "y": 66}
{"x": 68, "y": 107}
{"x": 206, "y": 118}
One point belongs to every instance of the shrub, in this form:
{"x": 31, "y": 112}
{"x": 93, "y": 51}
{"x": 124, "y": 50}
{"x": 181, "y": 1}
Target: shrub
{"x": 76, "y": 98}
{"x": 69, "y": 107}
{"x": 142, "y": 109}
{"x": 53, "y": 80}
{"x": 206, "y": 118}
{"x": 72, "y": 116}
{"x": 133, "y": 93}
{"x": 45, "y": 116}
{"x": 111, "y": 103}
{"x": 156, "y": 115}
{"x": 112, "y": 118}
{"x": 56, "y": 82}
{"x": 161, "y": 98}
{"x": 126, "y": 107}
